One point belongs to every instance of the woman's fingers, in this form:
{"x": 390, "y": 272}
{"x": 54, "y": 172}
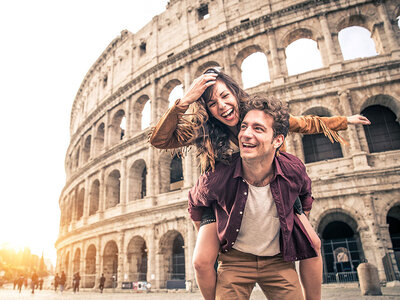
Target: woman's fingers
{"x": 358, "y": 119}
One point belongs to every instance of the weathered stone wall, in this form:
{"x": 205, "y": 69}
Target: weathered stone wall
{"x": 174, "y": 48}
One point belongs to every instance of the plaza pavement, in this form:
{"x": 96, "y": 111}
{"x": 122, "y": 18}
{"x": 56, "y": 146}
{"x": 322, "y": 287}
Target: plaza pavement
{"x": 329, "y": 292}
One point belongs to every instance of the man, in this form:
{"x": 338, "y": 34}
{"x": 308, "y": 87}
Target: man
{"x": 253, "y": 200}
{"x": 77, "y": 280}
{"x": 63, "y": 279}
{"x": 56, "y": 281}
{"x": 34, "y": 281}
{"x": 102, "y": 281}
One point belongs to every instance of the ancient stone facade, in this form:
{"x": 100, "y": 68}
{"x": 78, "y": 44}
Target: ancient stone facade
{"x": 124, "y": 205}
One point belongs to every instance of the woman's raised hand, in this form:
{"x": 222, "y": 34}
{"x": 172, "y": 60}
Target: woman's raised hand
{"x": 358, "y": 119}
{"x": 197, "y": 88}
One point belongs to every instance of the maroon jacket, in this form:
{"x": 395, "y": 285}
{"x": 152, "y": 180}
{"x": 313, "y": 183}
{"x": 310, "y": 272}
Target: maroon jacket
{"x": 226, "y": 191}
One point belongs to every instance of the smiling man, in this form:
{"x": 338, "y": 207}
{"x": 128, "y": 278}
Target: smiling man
{"x": 253, "y": 200}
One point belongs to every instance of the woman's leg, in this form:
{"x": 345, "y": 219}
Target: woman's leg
{"x": 311, "y": 269}
{"x": 204, "y": 257}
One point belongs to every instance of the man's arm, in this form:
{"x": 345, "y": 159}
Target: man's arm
{"x": 305, "y": 195}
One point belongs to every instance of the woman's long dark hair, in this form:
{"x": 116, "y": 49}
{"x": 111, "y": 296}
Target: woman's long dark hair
{"x": 212, "y": 136}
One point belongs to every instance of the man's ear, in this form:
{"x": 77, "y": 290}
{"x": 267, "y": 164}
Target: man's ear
{"x": 278, "y": 141}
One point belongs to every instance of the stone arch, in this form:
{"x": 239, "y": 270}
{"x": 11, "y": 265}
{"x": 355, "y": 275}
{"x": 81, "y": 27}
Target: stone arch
{"x": 164, "y": 161}
{"x": 138, "y": 116}
{"x": 342, "y": 250}
{"x": 66, "y": 263}
{"x": 202, "y": 68}
{"x": 77, "y": 261}
{"x": 86, "y": 149}
{"x": 99, "y": 138}
{"x": 94, "y": 197}
{"x": 366, "y": 22}
{"x": 117, "y": 133}
{"x": 172, "y": 266}
{"x": 317, "y": 147}
{"x": 137, "y": 180}
{"x": 393, "y": 221}
{"x": 384, "y": 132}
{"x": 90, "y": 267}
{"x": 298, "y": 33}
{"x": 110, "y": 263}
{"x": 77, "y": 153}
{"x": 80, "y": 200}
{"x": 137, "y": 259}
{"x": 113, "y": 189}
{"x": 385, "y": 100}
{"x": 355, "y": 42}
{"x": 254, "y": 66}
{"x": 176, "y": 172}
{"x": 168, "y": 87}
{"x": 355, "y": 20}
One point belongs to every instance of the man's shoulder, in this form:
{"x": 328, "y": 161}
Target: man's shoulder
{"x": 222, "y": 172}
{"x": 289, "y": 162}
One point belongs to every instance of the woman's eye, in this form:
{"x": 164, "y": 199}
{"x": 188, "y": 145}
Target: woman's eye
{"x": 211, "y": 104}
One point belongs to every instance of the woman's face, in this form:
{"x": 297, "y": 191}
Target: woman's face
{"x": 223, "y": 105}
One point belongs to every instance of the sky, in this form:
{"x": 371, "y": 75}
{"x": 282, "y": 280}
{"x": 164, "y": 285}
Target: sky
{"x": 47, "y": 48}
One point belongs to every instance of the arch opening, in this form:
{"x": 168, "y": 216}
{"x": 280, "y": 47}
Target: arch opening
{"x": 302, "y": 56}
{"x": 356, "y": 42}
{"x": 255, "y": 70}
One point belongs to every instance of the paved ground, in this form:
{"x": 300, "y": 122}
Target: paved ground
{"x": 328, "y": 293}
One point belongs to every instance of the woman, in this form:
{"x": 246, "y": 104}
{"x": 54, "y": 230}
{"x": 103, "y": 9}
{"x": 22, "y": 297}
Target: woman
{"x": 213, "y": 127}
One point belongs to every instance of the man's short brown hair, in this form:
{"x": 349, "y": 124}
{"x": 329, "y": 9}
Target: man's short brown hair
{"x": 271, "y": 106}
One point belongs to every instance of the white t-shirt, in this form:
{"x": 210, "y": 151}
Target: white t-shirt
{"x": 260, "y": 229}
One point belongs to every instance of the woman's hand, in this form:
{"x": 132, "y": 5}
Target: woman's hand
{"x": 358, "y": 119}
{"x": 197, "y": 88}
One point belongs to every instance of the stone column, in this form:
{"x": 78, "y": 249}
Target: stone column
{"x": 86, "y": 201}
{"x": 359, "y": 157}
{"x": 92, "y": 150}
{"x": 277, "y": 60}
{"x": 370, "y": 235}
{"x": 187, "y": 159}
{"x": 152, "y": 184}
{"x": 102, "y": 193}
{"x": 227, "y": 60}
{"x": 330, "y": 48}
{"x": 107, "y": 131}
{"x": 99, "y": 262}
{"x": 70, "y": 266}
{"x": 123, "y": 185}
{"x": 151, "y": 257}
{"x": 387, "y": 25}
{"x": 121, "y": 257}
{"x": 189, "y": 249}
{"x": 298, "y": 146}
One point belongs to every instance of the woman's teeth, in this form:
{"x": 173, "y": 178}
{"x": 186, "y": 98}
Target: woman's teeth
{"x": 227, "y": 113}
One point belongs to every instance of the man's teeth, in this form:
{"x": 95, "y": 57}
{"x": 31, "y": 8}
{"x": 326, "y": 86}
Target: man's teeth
{"x": 248, "y": 145}
{"x": 227, "y": 113}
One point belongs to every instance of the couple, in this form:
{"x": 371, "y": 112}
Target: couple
{"x": 213, "y": 127}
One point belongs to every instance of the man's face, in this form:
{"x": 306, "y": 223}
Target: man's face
{"x": 256, "y": 139}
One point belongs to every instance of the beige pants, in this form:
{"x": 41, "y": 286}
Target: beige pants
{"x": 238, "y": 273}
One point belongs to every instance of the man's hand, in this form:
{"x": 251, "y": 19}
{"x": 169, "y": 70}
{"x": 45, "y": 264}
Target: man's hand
{"x": 358, "y": 119}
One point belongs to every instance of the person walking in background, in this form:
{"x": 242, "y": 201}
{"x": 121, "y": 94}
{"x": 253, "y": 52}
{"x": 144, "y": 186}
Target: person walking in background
{"x": 102, "y": 281}
{"x": 63, "y": 279}
{"x": 34, "y": 281}
{"x": 56, "y": 282}
{"x": 77, "y": 279}
{"x": 40, "y": 283}
{"x": 20, "y": 282}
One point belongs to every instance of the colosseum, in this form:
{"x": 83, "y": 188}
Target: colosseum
{"x": 124, "y": 204}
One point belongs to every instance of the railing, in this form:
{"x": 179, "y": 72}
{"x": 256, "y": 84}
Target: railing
{"x": 341, "y": 277}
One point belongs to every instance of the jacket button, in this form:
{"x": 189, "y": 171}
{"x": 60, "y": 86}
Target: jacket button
{"x": 240, "y": 212}
{"x": 233, "y": 243}
{"x": 245, "y": 193}
{"x": 237, "y": 230}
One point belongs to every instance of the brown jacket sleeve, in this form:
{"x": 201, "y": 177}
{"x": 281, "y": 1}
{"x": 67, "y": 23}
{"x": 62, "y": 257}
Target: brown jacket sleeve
{"x": 315, "y": 124}
{"x": 167, "y": 134}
